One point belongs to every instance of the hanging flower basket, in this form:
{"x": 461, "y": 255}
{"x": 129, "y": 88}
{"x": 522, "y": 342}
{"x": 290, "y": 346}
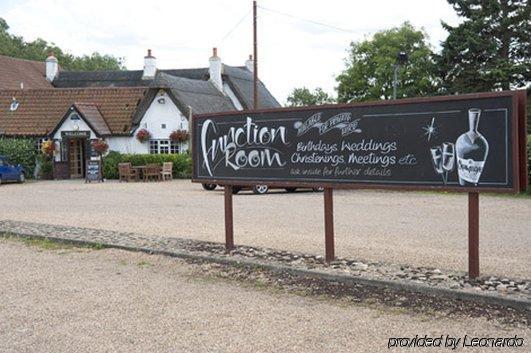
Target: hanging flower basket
{"x": 143, "y": 135}
{"x": 179, "y": 136}
{"x": 100, "y": 146}
{"x": 48, "y": 147}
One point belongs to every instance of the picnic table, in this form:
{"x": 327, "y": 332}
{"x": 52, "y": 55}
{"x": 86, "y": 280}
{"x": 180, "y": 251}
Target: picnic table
{"x": 145, "y": 172}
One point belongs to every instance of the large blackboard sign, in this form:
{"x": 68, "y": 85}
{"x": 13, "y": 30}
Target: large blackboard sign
{"x": 93, "y": 171}
{"x": 468, "y": 142}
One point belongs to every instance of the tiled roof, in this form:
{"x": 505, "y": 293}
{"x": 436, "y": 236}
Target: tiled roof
{"x": 92, "y": 115}
{"x": 39, "y": 111}
{"x": 14, "y": 71}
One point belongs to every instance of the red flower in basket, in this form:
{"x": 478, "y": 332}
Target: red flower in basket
{"x": 48, "y": 147}
{"x": 179, "y": 136}
{"x": 100, "y": 146}
{"x": 143, "y": 135}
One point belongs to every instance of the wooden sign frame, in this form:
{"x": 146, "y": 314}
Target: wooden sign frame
{"x": 517, "y": 156}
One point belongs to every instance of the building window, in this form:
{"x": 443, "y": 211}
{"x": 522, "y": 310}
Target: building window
{"x": 174, "y": 147}
{"x": 74, "y": 117}
{"x": 162, "y": 126}
{"x": 64, "y": 150}
{"x": 153, "y": 146}
{"x": 38, "y": 144}
{"x": 163, "y": 147}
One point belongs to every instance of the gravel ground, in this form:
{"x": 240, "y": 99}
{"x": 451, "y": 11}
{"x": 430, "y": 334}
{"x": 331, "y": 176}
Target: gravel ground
{"x": 86, "y": 300}
{"x": 422, "y": 229}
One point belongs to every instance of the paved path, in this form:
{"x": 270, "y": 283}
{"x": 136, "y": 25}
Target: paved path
{"x": 422, "y": 229}
{"x": 115, "y": 301}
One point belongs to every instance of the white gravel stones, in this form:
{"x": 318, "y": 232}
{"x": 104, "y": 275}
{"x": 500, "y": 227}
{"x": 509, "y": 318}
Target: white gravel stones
{"x": 421, "y": 229}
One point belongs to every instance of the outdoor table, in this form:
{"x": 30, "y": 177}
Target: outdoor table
{"x": 139, "y": 171}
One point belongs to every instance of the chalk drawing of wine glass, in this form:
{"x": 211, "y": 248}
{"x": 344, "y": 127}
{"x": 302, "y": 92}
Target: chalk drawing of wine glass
{"x": 436, "y": 158}
{"x": 448, "y": 159}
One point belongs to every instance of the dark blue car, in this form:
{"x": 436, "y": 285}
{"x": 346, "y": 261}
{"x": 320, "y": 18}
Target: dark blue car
{"x": 9, "y": 172}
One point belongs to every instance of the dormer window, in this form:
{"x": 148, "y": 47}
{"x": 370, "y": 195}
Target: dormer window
{"x": 14, "y": 105}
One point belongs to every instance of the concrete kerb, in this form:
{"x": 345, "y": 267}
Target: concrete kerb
{"x": 515, "y": 303}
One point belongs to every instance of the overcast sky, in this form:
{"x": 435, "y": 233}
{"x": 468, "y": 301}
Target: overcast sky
{"x": 292, "y": 52}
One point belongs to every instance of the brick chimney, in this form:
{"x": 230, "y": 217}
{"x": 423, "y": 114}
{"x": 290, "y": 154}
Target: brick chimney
{"x": 150, "y": 66}
{"x": 215, "y": 70}
{"x": 52, "y": 67}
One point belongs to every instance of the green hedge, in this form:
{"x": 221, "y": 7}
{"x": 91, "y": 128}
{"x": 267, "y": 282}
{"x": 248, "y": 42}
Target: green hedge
{"x": 20, "y": 151}
{"x": 182, "y": 163}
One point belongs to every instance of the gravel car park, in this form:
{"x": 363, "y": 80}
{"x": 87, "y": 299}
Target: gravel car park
{"x": 417, "y": 228}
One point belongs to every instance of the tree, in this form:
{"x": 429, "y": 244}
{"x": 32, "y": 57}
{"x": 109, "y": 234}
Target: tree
{"x": 303, "y": 96}
{"x": 39, "y": 49}
{"x": 490, "y": 49}
{"x": 368, "y": 74}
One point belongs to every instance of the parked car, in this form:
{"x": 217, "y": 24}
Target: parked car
{"x": 10, "y": 172}
{"x": 258, "y": 189}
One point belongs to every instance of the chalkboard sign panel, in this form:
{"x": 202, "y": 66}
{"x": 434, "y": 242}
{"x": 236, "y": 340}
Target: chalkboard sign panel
{"x": 462, "y": 143}
{"x": 93, "y": 171}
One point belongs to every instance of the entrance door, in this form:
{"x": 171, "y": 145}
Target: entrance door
{"x": 76, "y": 158}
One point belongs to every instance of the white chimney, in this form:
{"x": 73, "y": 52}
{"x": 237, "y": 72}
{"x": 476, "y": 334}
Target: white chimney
{"x": 249, "y": 63}
{"x": 215, "y": 70}
{"x": 52, "y": 67}
{"x": 150, "y": 66}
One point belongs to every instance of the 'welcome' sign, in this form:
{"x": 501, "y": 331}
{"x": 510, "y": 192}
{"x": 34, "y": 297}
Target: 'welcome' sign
{"x": 466, "y": 143}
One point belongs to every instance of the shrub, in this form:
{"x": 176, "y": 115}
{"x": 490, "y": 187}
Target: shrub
{"x": 182, "y": 163}
{"x": 46, "y": 171}
{"x": 20, "y": 151}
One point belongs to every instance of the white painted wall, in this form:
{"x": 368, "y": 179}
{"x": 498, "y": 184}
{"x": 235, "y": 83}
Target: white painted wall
{"x": 74, "y": 125}
{"x": 70, "y": 125}
{"x": 156, "y": 115}
{"x": 127, "y": 144}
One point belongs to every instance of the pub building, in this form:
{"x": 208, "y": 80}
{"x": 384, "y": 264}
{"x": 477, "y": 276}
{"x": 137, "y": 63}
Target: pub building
{"x": 39, "y": 100}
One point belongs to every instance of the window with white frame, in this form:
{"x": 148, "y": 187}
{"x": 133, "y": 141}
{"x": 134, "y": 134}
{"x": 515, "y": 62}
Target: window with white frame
{"x": 38, "y": 144}
{"x": 174, "y": 147}
{"x": 153, "y": 146}
{"x": 163, "y": 147}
